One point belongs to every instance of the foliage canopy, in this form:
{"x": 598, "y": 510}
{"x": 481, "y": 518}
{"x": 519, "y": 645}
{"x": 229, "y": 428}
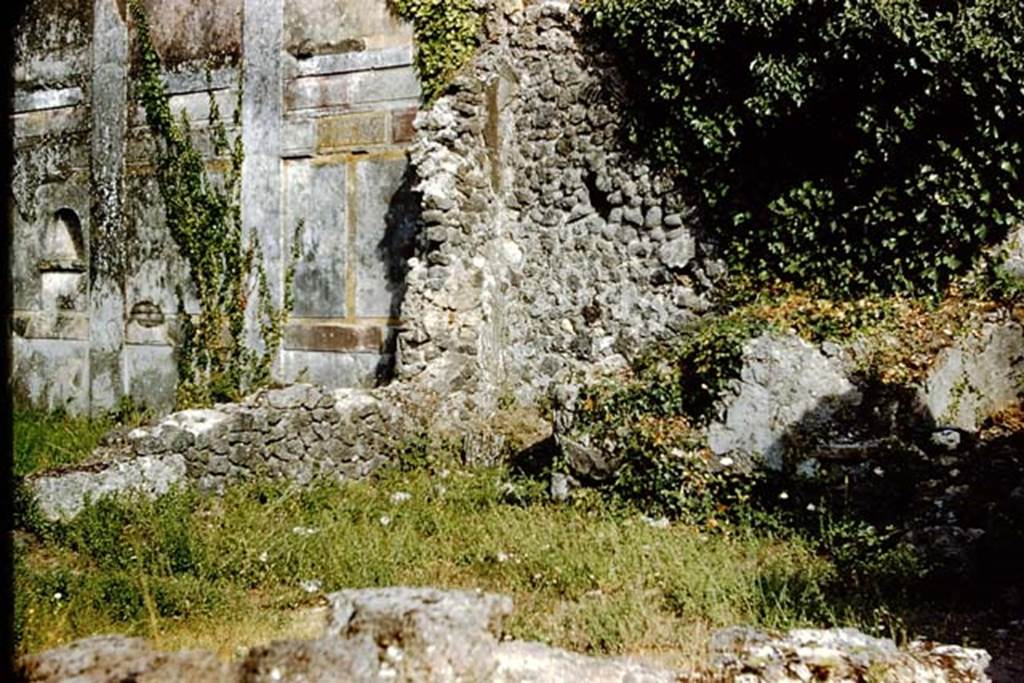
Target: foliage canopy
{"x": 846, "y": 146}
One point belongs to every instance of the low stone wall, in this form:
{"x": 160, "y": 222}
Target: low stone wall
{"x": 296, "y": 433}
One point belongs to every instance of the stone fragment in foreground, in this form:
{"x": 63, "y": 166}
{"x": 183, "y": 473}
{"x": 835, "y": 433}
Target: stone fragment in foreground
{"x": 840, "y": 655}
{"x": 519, "y": 662}
{"x": 425, "y": 634}
{"x": 106, "y": 659}
{"x": 412, "y": 635}
{"x": 62, "y": 495}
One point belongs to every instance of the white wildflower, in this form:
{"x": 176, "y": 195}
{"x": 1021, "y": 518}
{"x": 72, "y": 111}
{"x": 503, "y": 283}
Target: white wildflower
{"x": 659, "y": 523}
{"x": 385, "y": 520}
{"x": 727, "y": 461}
{"x": 399, "y": 497}
{"x": 783, "y": 496}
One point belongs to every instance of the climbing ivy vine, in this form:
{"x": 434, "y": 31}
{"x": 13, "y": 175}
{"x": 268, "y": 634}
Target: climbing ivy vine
{"x": 447, "y": 34}
{"x": 204, "y": 217}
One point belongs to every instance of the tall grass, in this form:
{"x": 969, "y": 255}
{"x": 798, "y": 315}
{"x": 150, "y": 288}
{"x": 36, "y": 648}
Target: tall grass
{"x": 45, "y": 440}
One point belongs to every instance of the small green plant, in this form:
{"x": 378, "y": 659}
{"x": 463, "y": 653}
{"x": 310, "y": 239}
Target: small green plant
{"x": 447, "y": 33}
{"x": 47, "y": 440}
{"x": 204, "y": 216}
{"x": 649, "y": 422}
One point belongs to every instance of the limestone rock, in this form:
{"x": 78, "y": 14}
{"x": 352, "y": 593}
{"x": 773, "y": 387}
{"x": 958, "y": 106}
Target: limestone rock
{"x": 785, "y": 386}
{"x": 976, "y": 378}
{"x": 519, "y": 662}
{"x": 62, "y": 495}
{"x": 430, "y": 634}
{"x": 424, "y": 635}
{"x": 355, "y": 660}
{"x": 839, "y": 655}
{"x": 290, "y": 433}
{"x": 107, "y": 659}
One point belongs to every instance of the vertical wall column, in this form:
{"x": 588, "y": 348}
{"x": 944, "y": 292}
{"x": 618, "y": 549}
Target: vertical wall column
{"x": 262, "y": 109}
{"x": 107, "y": 246}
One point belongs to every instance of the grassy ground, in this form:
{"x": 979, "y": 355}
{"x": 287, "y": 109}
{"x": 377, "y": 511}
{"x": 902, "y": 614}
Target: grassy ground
{"x": 44, "y": 440}
{"x": 594, "y": 576}
{"x": 181, "y": 569}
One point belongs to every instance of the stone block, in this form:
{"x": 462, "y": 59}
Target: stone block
{"x": 323, "y": 27}
{"x": 152, "y": 375}
{"x": 398, "y": 86}
{"x": 51, "y": 374}
{"x": 50, "y": 121}
{"x": 402, "y": 128}
{"x": 334, "y": 338}
{"x": 47, "y": 99}
{"x": 195, "y": 30}
{"x": 298, "y": 138}
{"x": 331, "y": 369}
{"x": 364, "y": 60}
{"x": 385, "y": 223}
{"x": 51, "y": 325}
{"x": 336, "y": 133}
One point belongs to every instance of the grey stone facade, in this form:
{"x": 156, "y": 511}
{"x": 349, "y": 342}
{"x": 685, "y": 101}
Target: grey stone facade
{"x": 327, "y": 105}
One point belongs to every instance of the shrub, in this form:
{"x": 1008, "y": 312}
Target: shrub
{"x": 649, "y": 421}
{"x": 855, "y": 146}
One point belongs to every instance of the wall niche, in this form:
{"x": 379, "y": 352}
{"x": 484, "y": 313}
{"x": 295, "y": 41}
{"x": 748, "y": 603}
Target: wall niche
{"x": 62, "y": 267}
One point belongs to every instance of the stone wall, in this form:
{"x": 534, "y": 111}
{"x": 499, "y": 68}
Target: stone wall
{"x": 547, "y": 249}
{"x": 327, "y": 106}
{"x": 297, "y": 433}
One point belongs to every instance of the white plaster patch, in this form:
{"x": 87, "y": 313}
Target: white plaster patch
{"x": 196, "y": 422}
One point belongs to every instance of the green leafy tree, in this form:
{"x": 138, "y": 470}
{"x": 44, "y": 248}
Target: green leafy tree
{"x": 446, "y": 32}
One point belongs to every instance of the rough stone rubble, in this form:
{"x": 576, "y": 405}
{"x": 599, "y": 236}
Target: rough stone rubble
{"x": 546, "y": 248}
{"x": 547, "y": 254}
{"x": 425, "y": 635}
{"x": 296, "y": 433}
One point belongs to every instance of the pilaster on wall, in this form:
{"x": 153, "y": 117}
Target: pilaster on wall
{"x": 262, "y": 109}
{"x": 107, "y": 244}
{"x": 328, "y": 98}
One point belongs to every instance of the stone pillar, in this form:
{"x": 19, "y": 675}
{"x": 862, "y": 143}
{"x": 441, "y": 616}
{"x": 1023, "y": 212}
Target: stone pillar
{"x": 262, "y": 107}
{"x": 107, "y": 246}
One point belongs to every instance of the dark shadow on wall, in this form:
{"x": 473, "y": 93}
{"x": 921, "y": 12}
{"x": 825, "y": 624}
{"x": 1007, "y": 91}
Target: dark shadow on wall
{"x": 955, "y": 496}
{"x": 13, "y": 13}
{"x": 402, "y": 227}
